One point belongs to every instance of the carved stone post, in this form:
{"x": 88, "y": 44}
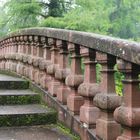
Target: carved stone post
{"x": 41, "y": 51}
{"x": 128, "y": 114}
{"x": 26, "y": 55}
{"x": 35, "y": 53}
{"x": 2, "y": 63}
{"x": 19, "y": 68}
{"x": 107, "y": 100}
{"x": 0, "y": 55}
{"x": 74, "y": 101}
{"x": 10, "y": 55}
{"x": 88, "y": 89}
{"x": 30, "y": 56}
{"x": 13, "y": 55}
{"x": 44, "y": 61}
{"x": 6, "y": 53}
{"x": 53, "y": 84}
{"x": 62, "y": 72}
{"x": 20, "y": 42}
{"x": 47, "y": 58}
{"x": 33, "y": 60}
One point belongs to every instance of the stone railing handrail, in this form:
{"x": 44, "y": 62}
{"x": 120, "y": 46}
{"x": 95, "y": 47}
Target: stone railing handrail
{"x": 55, "y": 60}
{"x": 124, "y": 49}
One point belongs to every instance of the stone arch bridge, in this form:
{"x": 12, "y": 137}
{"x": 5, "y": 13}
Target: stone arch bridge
{"x": 53, "y": 60}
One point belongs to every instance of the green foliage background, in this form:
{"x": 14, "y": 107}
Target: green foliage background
{"x": 118, "y": 18}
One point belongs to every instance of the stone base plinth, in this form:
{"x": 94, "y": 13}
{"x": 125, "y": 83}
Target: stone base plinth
{"x": 53, "y": 86}
{"x": 43, "y": 81}
{"x": 62, "y": 94}
{"x": 103, "y": 127}
{"x": 89, "y": 115}
{"x": 74, "y": 102}
{"x": 36, "y": 77}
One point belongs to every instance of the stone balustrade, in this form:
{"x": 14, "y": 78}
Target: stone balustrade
{"x": 54, "y": 59}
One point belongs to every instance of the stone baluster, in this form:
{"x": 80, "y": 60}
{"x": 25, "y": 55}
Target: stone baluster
{"x": 25, "y": 49}
{"x": 15, "y": 44}
{"x": 36, "y": 59}
{"x": 128, "y": 114}
{"x": 62, "y": 72}
{"x": 13, "y": 57}
{"x": 47, "y": 58}
{"x": 44, "y": 61}
{"x": 3, "y": 63}
{"x": 30, "y": 57}
{"x": 28, "y": 45}
{"x": 6, "y": 54}
{"x": 34, "y": 48}
{"x": 41, "y": 64}
{"x": 4, "y": 51}
{"x": 40, "y": 48}
{"x": 88, "y": 89}
{"x": 0, "y": 54}
{"x": 0, "y": 49}
{"x": 20, "y": 41}
{"x": 40, "y": 59}
{"x": 19, "y": 56}
{"x": 30, "y": 50}
{"x": 26, "y": 55}
{"x": 2, "y": 45}
{"x": 53, "y": 84}
{"x": 107, "y": 100}
{"x": 15, "y": 49}
{"x": 10, "y": 55}
{"x": 18, "y": 44}
{"x": 74, "y": 101}
{"x": 47, "y": 55}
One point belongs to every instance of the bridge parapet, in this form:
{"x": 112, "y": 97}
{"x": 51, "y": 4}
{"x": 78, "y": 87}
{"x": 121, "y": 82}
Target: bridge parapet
{"x": 54, "y": 59}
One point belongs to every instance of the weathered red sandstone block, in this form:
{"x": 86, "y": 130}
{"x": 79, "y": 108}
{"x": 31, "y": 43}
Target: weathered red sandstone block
{"x": 107, "y": 100}
{"x": 74, "y": 100}
{"x": 128, "y": 114}
{"x": 53, "y": 84}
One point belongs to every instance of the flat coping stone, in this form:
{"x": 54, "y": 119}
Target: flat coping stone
{"x": 32, "y": 133}
{"x": 23, "y": 109}
{"x": 20, "y": 92}
{"x": 9, "y": 78}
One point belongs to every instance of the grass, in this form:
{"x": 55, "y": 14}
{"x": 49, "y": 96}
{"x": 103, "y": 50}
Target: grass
{"x": 67, "y": 131}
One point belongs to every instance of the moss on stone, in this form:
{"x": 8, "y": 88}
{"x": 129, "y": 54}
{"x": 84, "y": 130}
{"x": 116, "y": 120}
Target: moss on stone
{"x": 31, "y": 119}
{"x": 7, "y": 72}
{"x": 14, "y": 99}
{"x": 14, "y": 84}
{"x": 67, "y": 131}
